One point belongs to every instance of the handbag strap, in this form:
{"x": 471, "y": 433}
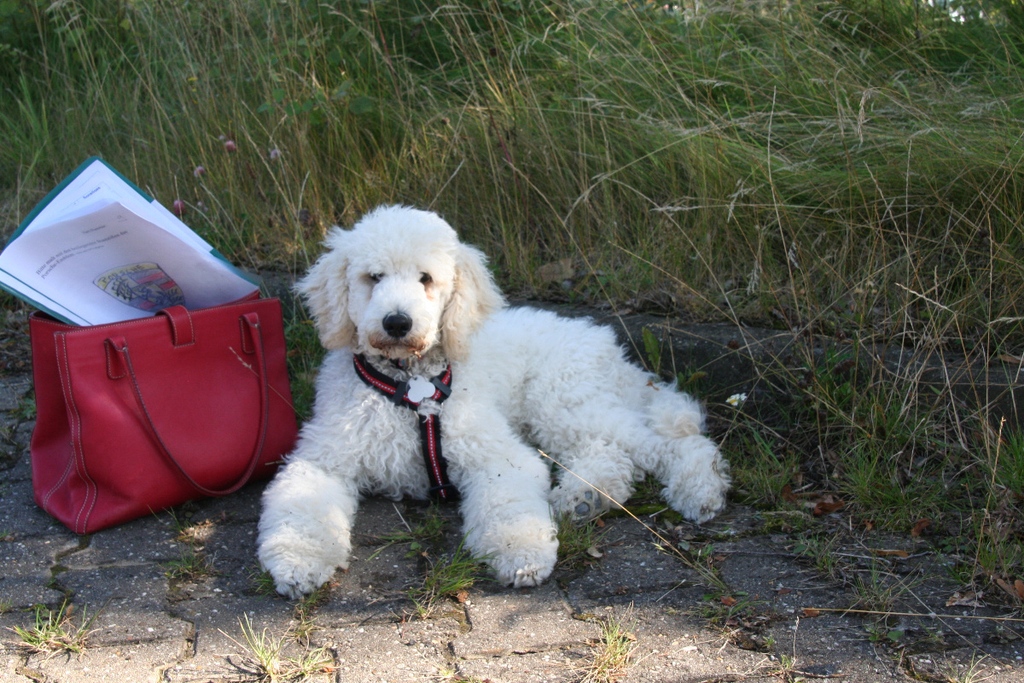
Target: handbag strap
{"x": 250, "y": 324}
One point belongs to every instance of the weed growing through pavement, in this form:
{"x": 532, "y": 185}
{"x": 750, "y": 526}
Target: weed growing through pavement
{"x": 766, "y": 469}
{"x": 878, "y": 591}
{"x": 26, "y": 409}
{"x": 721, "y": 608}
{"x": 997, "y": 527}
{"x": 421, "y": 536}
{"x": 879, "y": 632}
{"x": 304, "y": 357}
{"x": 968, "y": 672}
{"x": 645, "y": 500}
{"x": 192, "y": 563}
{"x": 613, "y": 652}
{"x": 262, "y": 582}
{"x": 448, "y": 577}
{"x": 55, "y": 631}
{"x": 265, "y": 656}
{"x": 892, "y": 450}
{"x": 785, "y": 668}
{"x": 820, "y": 550}
{"x": 578, "y": 544}
{"x": 190, "y": 566}
{"x": 1008, "y": 469}
{"x": 447, "y": 672}
{"x": 305, "y": 608}
{"x": 194, "y": 533}
{"x": 652, "y": 350}
{"x": 786, "y": 521}
{"x": 305, "y": 612}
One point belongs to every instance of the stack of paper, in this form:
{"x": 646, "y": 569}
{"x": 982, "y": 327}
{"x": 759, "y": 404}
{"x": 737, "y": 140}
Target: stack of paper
{"x": 98, "y": 250}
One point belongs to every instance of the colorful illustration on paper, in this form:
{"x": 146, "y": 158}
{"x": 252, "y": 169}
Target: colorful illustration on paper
{"x": 144, "y": 286}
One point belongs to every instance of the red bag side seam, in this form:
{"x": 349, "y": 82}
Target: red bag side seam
{"x": 67, "y": 468}
{"x": 92, "y": 493}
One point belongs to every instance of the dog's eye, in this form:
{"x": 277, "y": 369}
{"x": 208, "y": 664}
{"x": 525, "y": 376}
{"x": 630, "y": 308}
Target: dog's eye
{"x": 426, "y": 279}
{"x": 374, "y": 277}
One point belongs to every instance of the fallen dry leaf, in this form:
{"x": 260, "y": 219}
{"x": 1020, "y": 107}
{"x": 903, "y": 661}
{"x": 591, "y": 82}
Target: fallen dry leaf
{"x": 827, "y": 505}
{"x": 1015, "y": 591}
{"x": 920, "y": 527}
{"x": 891, "y": 553}
{"x": 811, "y": 612}
{"x": 788, "y": 495}
{"x": 728, "y": 600}
{"x": 820, "y": 504}
{"x": 966, "y": 599}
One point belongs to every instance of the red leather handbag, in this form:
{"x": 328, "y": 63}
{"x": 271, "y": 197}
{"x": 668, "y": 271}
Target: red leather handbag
{"x": 137, "y": 416}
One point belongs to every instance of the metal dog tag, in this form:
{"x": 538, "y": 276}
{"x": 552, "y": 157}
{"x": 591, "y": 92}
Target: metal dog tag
{"x": 419, "y": 389}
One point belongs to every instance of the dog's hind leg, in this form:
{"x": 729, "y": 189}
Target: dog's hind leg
{"x": 607, "y": 456}
{"x": 594, "y": 475}
{"x": 695, "y": 476}
{"x": 688, "y": 464}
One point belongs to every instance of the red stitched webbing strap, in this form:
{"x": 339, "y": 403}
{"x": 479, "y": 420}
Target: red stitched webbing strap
{"x": 441, "y": 489}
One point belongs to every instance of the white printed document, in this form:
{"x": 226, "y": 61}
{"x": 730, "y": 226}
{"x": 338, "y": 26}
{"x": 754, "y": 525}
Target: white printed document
{"x": 98, "y": 250}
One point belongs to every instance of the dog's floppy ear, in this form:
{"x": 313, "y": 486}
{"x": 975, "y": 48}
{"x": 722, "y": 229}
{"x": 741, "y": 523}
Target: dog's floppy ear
{"x": 474, "y": 297}
{"x": 325, "y": 288}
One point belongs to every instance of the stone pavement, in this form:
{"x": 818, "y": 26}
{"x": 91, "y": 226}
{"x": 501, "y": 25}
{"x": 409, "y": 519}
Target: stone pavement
{"x": 742, "y": 617}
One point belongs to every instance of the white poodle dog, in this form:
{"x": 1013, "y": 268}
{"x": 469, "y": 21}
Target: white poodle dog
{"x": 403, "y": 306}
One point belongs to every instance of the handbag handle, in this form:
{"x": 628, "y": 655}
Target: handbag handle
{"x": 250, "y": 323}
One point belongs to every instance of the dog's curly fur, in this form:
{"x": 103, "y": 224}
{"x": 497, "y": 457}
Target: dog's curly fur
{"x": 523, "y": 378}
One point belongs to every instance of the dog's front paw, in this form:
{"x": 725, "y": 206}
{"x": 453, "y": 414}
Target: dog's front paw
{"x": 299, "y": 568}
{"x": 520, "y": 572}
{"x": 296, "y": 578}
{"x": 580, "y": 502}
{"x": 531, "y": 575}
{"x": 525, "y": 561}
{"x": 297, "y": 582}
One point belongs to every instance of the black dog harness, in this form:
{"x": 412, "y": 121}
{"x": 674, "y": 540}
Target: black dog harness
{"x": 410, "y": 394}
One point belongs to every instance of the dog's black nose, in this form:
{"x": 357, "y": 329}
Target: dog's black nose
{"x": 397, "y": 324}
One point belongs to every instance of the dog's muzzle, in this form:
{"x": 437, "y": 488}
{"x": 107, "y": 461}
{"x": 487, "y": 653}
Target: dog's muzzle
{"x": 394, "y": 338}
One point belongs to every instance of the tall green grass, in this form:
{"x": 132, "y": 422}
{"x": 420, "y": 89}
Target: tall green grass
{"x": 848, "y": 169}
{"x": 844, "y": 163}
